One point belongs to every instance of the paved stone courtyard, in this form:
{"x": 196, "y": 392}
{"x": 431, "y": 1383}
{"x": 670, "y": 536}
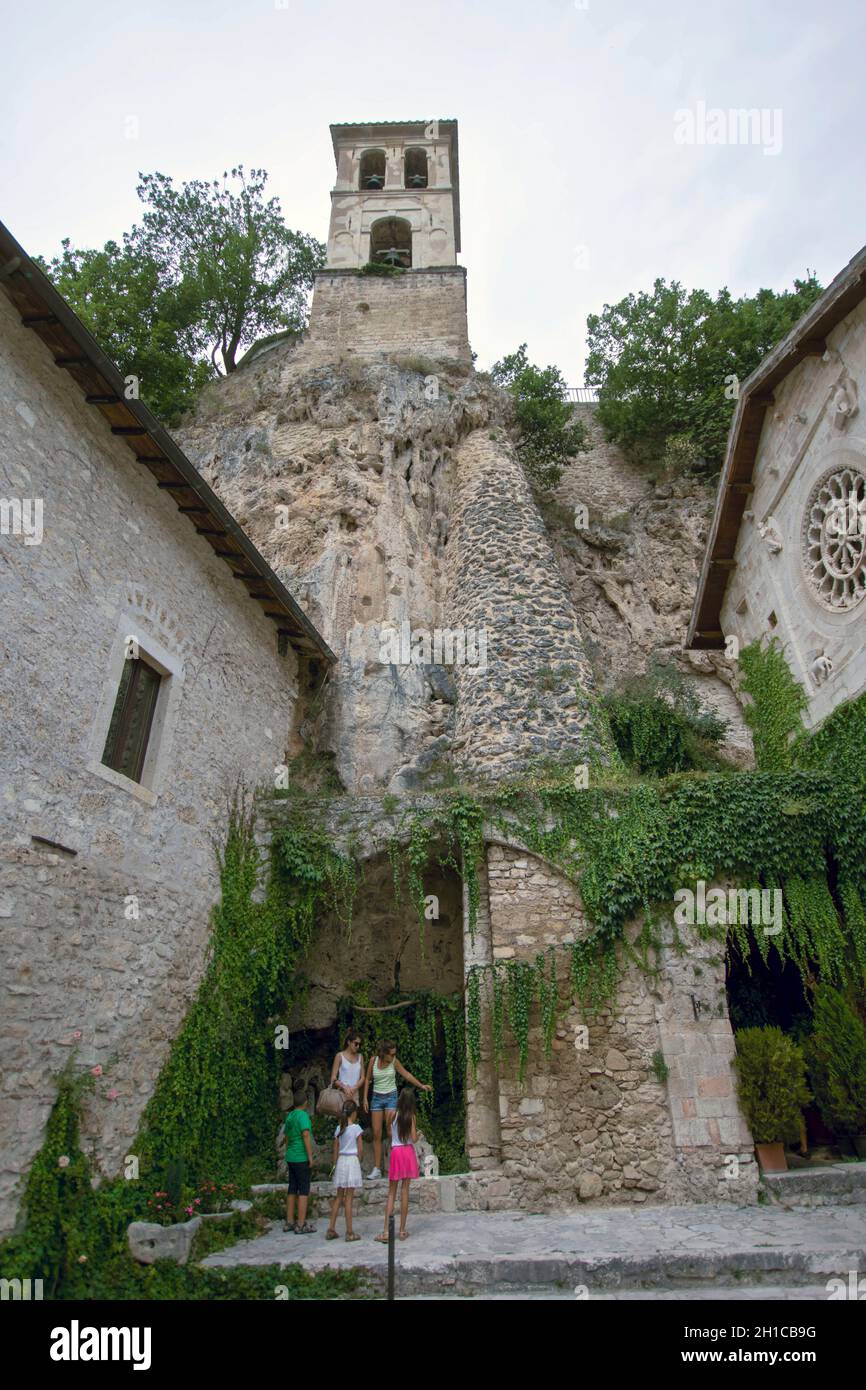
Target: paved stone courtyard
{"x": 696, "y": 1251}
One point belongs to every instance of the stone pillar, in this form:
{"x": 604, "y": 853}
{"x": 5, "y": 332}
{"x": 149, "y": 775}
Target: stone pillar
{"x": 483, "y": 1139}
{"x": 713, "y": 1147}
{"x": 525, "y": 697}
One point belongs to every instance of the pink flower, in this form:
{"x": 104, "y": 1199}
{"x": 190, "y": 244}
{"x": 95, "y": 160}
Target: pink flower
{"x": 111, "y": 1095}
{"x": 189, "y": 1211}
{"x": 197, "y": 1200}
{"x": 96, "y": 1071}
{"x": 77, "y": 1035}
{"x": 82, "y": 1259}
{"x": 63, "y": 1161}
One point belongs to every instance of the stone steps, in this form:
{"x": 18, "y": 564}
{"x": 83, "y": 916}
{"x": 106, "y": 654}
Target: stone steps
{"x": 837, "y": 1183}
{"x": 598, "y": 1253}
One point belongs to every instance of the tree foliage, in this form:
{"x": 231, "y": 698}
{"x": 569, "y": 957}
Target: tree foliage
{"x": 146, "y": 322}
{"x": 549, "y": 436}
{"x": 210, "y": 268}
{"x": 667, "y": 364}
{"x": 251, "y": 271}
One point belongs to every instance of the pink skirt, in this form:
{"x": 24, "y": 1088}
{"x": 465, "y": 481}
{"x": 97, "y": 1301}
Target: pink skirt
{"x": 403, "y": 1163}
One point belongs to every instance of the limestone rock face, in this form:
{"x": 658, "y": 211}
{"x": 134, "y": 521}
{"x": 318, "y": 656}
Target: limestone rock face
{"x": 341, "y": 472}
{"x": 385, "y": 493}
{"x": 633, "y": 570}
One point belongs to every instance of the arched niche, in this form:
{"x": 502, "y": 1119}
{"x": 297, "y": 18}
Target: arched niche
{"x": 391, "y": 241}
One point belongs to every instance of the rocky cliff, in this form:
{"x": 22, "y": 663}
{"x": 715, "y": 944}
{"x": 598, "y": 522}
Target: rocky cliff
{"x": 385, "y": 493}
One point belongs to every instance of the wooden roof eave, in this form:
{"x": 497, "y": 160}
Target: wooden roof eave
{"x": 44, "y": 310}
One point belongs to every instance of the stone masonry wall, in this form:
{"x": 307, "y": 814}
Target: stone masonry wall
{"x": 116, "y": 557}
{"x": 422, "y": 312}
{"x": 503, "y": 579}
{"x": 595, "y": 1124}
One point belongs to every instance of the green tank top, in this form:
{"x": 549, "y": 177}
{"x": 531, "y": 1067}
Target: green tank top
{"x": 384, "y": 1078}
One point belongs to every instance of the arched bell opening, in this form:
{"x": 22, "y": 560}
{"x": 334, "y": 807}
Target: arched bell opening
{"x": 371, "y": 173}
{"x": 415, "y": 168}
{"x": 391, "y": 242}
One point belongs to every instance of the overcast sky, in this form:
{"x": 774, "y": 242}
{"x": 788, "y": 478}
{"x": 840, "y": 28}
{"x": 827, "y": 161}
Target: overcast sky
{"x": 578, "y": 181}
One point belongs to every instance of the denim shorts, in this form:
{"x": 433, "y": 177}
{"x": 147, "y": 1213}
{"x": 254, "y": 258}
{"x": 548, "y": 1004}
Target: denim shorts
{"x": 385, "y": 1102}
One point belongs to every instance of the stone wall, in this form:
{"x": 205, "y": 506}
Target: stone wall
{"x": 419, "y": 312}
{"x": 116, "y": 558}
{"x": 595, "y": 1123}
{"x": 524, "y": 702}
{"x": 814, "y": 431}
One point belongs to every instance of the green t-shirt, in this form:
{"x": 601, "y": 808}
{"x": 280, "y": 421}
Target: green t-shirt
{"x": 296, "y": 1122}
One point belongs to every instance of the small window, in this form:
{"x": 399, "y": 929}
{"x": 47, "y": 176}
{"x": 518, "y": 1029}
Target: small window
{"x": 131, "y": 719}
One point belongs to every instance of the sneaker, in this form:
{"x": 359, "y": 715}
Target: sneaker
{"x": 373, "y": 1174}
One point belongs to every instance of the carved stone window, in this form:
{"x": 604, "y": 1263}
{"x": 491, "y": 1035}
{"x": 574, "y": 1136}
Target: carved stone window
{"x": 834, "y": 539}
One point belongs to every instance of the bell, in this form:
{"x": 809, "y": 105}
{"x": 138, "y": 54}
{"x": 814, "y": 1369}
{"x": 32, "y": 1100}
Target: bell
{"x": 417, "y": 181}
{"x": 374, "y": 181}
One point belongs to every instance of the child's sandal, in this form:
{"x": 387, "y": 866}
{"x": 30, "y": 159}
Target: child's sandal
{"x": 331, "y": 1235}
{"x": 353, "y": 1236}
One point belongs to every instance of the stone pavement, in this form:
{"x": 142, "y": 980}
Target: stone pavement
{"x": 602, "y": 1250}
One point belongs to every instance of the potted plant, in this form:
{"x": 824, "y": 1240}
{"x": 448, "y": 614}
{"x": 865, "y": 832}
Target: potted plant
{"x": 771, "y": 1085}
{"x": 836, "y": 1056}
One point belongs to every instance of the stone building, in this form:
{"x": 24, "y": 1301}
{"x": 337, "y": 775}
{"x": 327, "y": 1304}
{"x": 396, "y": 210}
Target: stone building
{"x": 152, "y": 660}
{"x": 786, "y": 556}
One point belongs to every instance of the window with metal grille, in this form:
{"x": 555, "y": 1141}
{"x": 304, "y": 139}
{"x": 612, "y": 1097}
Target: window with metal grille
{"x": 131, "y": 719}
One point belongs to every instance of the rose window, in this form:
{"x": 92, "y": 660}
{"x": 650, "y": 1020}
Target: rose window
{"x": 834, "y": 539}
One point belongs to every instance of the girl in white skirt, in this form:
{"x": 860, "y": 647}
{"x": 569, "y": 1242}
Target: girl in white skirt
{"x": 348, "y": 1152}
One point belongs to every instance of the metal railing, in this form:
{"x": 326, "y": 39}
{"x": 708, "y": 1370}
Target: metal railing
{"x": 582, "y": 395}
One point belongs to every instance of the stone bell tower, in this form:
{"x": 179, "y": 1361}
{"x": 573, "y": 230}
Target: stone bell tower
{"x": 395, "y": 205}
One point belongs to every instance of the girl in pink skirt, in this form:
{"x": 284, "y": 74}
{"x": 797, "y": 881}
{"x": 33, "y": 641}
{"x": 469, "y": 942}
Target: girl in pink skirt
{"x": 403, "y": 1164}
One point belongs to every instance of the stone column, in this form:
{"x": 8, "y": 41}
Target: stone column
{"x": 523, "y": 688}
{"x": 483, "y": 1139}
{"x": 713, "y": 1147}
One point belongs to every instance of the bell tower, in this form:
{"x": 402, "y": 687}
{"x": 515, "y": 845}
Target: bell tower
{"x": 392, "y": 283}
{"x": 396, "y": 199}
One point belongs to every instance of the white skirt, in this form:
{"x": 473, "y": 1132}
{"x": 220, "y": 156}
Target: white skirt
{"x": 347, "y": 1172}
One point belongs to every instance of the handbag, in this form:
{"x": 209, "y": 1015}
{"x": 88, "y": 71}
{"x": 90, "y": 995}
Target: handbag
{"x": 330, "y": 1102}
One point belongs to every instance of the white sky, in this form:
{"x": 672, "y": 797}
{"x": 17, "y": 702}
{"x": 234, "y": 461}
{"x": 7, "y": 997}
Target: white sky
{"x": 567, "y": 118}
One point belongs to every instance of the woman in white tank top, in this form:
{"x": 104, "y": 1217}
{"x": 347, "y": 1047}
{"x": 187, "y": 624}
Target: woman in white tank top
{"x": 348, "y": 1067}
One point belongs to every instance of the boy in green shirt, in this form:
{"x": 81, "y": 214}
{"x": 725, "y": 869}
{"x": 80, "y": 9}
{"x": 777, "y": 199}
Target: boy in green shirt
{"x": 299, "y": 1158}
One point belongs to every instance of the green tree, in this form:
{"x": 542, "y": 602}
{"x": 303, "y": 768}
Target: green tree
{"x": 549, "y": 436}
{"x": 251, "y": 272}
{"x": 145, "y": 322}
{"x": 665, "y": 364}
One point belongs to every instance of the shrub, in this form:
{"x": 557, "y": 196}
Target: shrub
{"x": 548, "y": 434}
{"x": 771, "y": 1083}
{"x": 836, "y": 1057}
{"x": 660, "y": 726}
